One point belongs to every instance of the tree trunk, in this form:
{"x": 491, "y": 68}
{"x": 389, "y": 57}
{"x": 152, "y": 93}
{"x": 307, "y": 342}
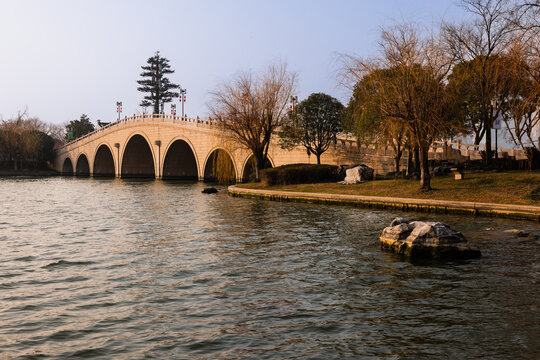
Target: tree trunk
{"x": 318, "y": 159}
{"x": 416, "y": 159}
{"x": 397, "y": 158}
{"x": 396, "y": 165}
{"x": 259, "y": 163}
{"x": 409, "y": 161}
{"x": 489, "y": 153}
{"x": 477, "y": 139}
{"x": 425, "y": 178}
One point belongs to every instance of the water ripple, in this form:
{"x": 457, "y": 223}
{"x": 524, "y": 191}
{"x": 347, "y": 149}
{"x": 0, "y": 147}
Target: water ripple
{"x": 65, "y": 263}
{"x": 136, "y": 269}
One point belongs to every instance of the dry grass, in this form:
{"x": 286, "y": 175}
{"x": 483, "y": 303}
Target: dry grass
{"x": 510, "y": 187}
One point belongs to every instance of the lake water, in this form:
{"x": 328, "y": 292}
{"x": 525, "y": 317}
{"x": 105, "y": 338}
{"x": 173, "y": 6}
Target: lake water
{"x": 152, "y": 269}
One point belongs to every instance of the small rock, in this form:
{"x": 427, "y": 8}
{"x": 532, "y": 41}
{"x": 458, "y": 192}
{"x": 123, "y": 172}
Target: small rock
{"x": 517, "y": 232}
{"x": 209, "y": 190}
{"x": 522, "y": 235}
{"x": 421, "y": 240}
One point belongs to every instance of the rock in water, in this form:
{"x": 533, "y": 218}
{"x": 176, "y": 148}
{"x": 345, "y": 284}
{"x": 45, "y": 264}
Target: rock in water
{"x": 209, "y": 190}
{"x": 425, "y": 240}
{"x": 358, "y": 174}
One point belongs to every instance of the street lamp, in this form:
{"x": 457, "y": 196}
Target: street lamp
{"x": 294, "y": 101}
{"x": 183, "y": 99}
{"x": 119, "y": 108}
{"x": 173, "y": 109}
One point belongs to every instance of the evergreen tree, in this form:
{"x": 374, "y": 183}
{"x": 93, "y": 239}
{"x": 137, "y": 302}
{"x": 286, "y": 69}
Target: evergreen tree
{"x": 314, "y": 124}
{"x": 155, "y": 83}
{"x": 79, "y": 127}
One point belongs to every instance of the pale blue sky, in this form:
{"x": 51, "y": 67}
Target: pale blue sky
{"x": 64, "y": 58}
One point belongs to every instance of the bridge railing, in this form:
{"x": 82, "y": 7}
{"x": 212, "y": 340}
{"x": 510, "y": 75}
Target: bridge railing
{"x": 146, "y": 117}
{"x": 471, "y": 150}
{"x": 474, "y": 151}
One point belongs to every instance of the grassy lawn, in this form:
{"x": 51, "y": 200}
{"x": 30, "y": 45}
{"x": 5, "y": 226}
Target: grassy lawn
{"x": 510, "y": 187}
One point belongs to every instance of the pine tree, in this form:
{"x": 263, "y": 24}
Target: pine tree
{"x": 79, "y": 128}
{"x": 156, "y": 84}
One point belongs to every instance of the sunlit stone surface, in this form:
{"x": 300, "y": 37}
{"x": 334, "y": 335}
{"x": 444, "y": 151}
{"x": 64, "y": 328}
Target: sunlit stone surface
{"x": 430, "y": 240}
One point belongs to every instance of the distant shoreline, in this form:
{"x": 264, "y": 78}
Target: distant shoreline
{"x": 24, "y": 172}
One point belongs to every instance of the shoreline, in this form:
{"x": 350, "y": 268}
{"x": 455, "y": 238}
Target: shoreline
{"x": 527, "y": 212}
{"x": 13, "y": 173}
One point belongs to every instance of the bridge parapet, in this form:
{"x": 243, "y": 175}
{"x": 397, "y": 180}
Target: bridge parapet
{"x": 474, "y": 151}
{"x": 162, "y": 118}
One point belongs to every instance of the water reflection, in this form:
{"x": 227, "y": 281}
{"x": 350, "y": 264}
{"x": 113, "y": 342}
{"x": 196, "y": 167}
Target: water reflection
{"x": 118, "y": 268}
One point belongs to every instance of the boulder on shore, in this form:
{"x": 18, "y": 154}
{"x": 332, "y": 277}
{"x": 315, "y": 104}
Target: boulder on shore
{"x": 425, "y": 240}
{"x": 358, "y": 174}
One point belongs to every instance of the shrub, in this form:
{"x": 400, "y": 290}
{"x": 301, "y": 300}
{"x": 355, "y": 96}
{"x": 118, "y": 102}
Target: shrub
{"x": 300, "y": 174}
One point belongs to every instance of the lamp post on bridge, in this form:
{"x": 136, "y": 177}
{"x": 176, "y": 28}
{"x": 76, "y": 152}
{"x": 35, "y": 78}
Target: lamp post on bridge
{"x": 183, "y": 99}
{"x": 119, "y": 108}
{"x": 173, "y": 109}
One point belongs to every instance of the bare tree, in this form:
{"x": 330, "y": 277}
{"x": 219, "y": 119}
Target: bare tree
{"x": 526, "y": 15}
{"x": 487, "y": 35}
{"x": 56, "y": 131}
{"x": 24, "y": 138}
{"x": 249, "y": 108}
{"x": 406, "y": 86}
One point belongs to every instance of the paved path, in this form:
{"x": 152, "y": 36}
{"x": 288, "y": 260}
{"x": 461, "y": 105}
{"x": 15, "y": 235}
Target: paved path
{"x": 406, "y": 204}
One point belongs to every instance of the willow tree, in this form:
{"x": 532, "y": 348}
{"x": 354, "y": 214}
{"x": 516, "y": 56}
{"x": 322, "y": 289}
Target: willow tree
{"x": 365, "y": 119}
{"x": 465, "y": 82}
{"x": 406, "y": 86}
{"x": 522, "y": 104}
{"x": 156, "y": 84}
{"x": 250, "y": 108}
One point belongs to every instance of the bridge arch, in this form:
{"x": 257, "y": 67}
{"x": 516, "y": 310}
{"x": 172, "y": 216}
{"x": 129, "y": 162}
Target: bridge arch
{"x": 83, "y": 167}
{"x": 138, "y": 157}
{"x": 67, "y": 167}
{"x": 248, "y": 169}
{"x": 219, "y": 159}
{"x": 104, "y": 165}
{"x": 180, "y": 160}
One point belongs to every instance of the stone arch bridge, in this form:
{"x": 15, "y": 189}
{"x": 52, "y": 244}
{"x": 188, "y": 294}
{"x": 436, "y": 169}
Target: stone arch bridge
{"x": 174, "y": 147}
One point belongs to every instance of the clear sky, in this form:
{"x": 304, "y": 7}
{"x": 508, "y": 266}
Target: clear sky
{"x": 60, "y": 59}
